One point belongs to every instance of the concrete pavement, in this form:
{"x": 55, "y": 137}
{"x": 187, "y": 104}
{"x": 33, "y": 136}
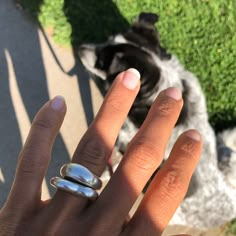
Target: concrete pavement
{"x": 29, "y": 76}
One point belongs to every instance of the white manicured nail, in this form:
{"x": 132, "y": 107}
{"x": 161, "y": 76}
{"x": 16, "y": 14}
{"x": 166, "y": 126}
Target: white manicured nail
{"x": 131, "y": 78}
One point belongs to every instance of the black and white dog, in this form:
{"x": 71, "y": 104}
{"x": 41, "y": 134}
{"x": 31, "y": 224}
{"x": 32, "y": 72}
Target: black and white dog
{"x": 211, "y": 199}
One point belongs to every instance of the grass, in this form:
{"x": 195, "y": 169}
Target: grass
{"x": 232, "y": 227}
{"x": 200, "y": 32}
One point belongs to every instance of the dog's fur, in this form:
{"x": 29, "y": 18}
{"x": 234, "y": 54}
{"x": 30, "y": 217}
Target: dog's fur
{"x": 211, "y": 199}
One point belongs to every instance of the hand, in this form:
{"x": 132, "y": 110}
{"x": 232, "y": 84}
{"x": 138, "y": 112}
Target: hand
{"x": 65, "y": 214}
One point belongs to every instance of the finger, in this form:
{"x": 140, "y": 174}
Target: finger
{"x": 97, "y": 144}
{"x": 35, "y": 155}
{"x": 168, "y": 188}
{"x": 142, "y": 158}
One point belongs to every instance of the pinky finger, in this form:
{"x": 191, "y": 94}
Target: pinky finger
{"x": 168, "y": 188}
{"x": 35, "y": 155}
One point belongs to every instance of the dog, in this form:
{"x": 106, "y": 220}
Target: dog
{"x": 210, "y": 200}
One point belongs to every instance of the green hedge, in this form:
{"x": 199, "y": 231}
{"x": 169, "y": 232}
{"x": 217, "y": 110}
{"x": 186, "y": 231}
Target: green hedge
{"x": 200, "y": 32}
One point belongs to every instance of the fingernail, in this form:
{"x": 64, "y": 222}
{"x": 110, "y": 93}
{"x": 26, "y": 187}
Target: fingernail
{"x": 193, "y": 134}
{"x": 131, "y": 78}
{"x": 58, "y": 103}
{"x": 173, "y": 93}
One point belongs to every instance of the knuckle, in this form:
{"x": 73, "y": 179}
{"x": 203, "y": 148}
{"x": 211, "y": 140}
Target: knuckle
{"x": 10, "y": 217}
{"x": 29, "y": 162}
{"x": 172, "y": 184}
{"x": 93, "y": 154}
{"x": 165, "y": 107}
{"x": 115, "y": 104}
{"x": 188, "y": 149}
{"x": 144, "y": 153}
{"x": 42, "y": 124}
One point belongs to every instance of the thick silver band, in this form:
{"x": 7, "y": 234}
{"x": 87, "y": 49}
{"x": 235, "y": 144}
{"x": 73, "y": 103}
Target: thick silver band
{"x": 74, "y": 188}
{"x": 80, "y": 174}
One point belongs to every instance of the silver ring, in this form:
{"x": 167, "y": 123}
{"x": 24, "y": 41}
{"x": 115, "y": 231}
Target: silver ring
{"x": 74, "y": 188}
{"x": 80, "y": 174}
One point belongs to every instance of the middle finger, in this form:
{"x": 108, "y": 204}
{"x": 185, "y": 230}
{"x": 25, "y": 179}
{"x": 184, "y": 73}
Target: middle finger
{"x": 142, "y": 158}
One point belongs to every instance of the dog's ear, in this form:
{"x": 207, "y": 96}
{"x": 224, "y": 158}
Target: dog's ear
{"x": 150, "y": 18}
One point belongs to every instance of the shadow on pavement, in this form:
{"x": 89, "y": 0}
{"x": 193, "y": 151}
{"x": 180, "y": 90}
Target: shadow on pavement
{"x": 92, "y": 22}
{"x": 19, "y": 37}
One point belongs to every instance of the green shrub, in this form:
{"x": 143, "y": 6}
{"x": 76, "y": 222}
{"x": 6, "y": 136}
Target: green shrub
{"x": 232, "y": 228}
{"x": 200, "y": 32}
